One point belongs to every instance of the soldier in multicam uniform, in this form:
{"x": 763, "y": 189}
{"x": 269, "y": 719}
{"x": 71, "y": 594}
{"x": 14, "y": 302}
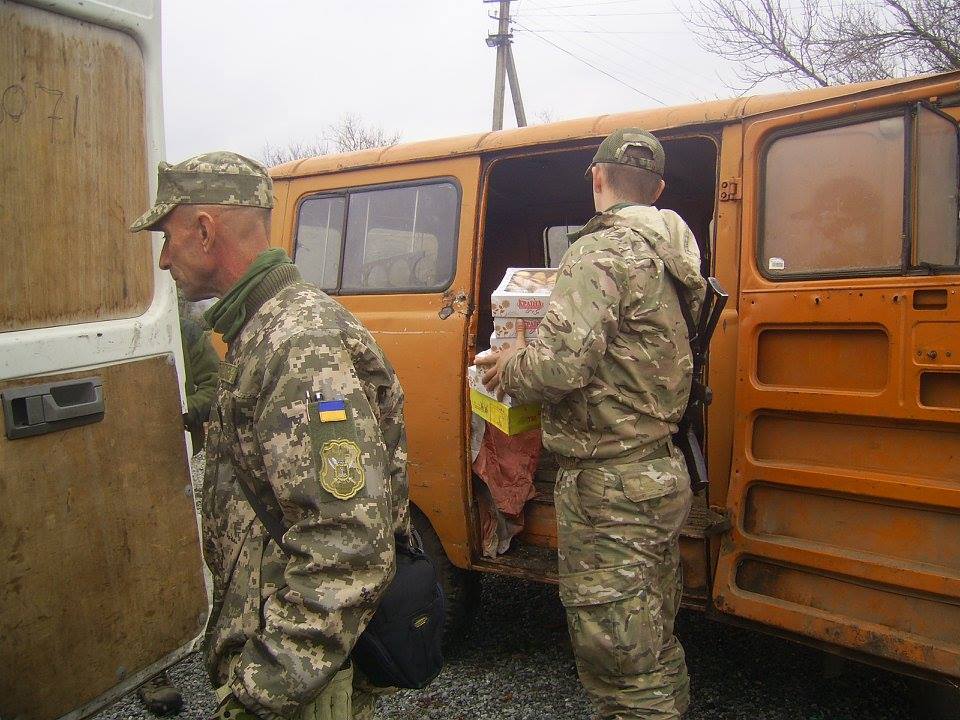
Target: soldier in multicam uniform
{"x": 612, "y": 367}
{"x": 309, "y": 414}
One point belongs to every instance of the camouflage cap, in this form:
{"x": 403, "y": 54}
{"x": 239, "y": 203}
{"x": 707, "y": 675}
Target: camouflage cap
{"x": 217, "y": 178}
{"x": 613, "y": 150}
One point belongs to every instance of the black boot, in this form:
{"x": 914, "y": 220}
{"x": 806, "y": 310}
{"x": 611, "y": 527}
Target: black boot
{"x": 159, "y": 696}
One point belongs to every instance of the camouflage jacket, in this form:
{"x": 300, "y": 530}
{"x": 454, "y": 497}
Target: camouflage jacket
{"x": 611, "y": 362}
{"x": 282, "y": 624}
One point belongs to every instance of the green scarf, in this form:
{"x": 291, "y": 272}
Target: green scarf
{"x": 229, "y": 314}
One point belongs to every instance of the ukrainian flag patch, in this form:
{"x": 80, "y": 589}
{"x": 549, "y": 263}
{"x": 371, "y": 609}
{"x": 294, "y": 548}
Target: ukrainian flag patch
{"x": 331, "y": 410}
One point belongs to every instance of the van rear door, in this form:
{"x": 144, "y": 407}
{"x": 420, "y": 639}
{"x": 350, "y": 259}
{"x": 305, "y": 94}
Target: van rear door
{"x": 845, "y": 485}
{"x": 101, "y": 582}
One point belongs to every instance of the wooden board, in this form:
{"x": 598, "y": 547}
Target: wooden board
{"x": 71, "y": 142}
{"x": 101, "y": 567}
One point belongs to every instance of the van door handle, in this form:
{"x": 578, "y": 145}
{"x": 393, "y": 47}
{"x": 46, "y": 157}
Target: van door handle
{"x": 73, "y": 400}
{"x": 39, "y": 409}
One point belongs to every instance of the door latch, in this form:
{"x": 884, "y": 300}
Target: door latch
{"x": 730, "y": 190}
{"x": 39, "y": 409}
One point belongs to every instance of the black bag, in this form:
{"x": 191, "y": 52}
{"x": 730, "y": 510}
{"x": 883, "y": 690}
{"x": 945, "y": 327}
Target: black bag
{"x": 401, "y": 645}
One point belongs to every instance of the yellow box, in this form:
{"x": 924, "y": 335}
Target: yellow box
{"x": 511, "y": 420}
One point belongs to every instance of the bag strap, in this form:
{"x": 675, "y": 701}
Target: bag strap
{"x": 271, "y": 522}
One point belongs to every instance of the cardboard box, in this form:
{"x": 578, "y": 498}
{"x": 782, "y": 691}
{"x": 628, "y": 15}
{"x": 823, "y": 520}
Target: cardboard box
{"x": 524, "y": 292}
{"x": 475, "y": 382}
{"x": 507, "y": 419}
{"x": 506, "y": 327}
{"x": 498, "y": 343}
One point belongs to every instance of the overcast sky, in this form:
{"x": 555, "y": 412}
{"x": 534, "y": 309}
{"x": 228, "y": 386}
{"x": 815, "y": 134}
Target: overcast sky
{"x": 239, "y": 74}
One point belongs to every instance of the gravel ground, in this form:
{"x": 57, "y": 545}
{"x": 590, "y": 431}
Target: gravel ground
{"x": 515, "y": 663}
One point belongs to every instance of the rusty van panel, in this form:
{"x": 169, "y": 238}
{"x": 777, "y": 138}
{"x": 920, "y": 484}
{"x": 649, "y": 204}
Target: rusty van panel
{"x": 940, "y": 390}
{"x": 56, "y": 76}
{"x": 103, "y": 576}
{"x": 857, "y": 445}
{"x": 875, "y": 613}
{"x": 844, "y": 485}
{"x": 794, "y": 358}
{"x": 855, "y": 525}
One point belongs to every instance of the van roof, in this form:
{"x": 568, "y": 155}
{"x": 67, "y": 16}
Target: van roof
{"x": 656, "y": 119}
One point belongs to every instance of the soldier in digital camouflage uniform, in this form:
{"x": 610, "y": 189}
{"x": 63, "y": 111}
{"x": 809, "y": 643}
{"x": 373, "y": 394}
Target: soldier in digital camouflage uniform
{"x": 612, "y": 366}
{"x": 309, "y": 413}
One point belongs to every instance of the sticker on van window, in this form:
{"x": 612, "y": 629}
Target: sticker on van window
{"x": 776, "y": 263}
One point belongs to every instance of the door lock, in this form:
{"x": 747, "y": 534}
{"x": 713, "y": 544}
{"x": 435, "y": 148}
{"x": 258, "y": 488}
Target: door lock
{"x": 39, "y": 409}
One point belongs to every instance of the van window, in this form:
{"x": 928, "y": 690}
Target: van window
{"x": 555, "y": 243}
{"x": 396, "y": 239}
{"x": 401, "y": 239}
{"x": 65, "y": 248}
{"x": 938, "y": 236}
{"x": 317, "y": 245}
{"x": 833, "y": 200}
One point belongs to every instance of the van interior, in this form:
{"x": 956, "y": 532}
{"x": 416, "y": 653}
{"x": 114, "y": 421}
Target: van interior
{"x": 531, "y": 202}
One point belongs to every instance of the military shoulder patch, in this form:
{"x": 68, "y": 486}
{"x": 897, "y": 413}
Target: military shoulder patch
{"x": 342, "y": 472}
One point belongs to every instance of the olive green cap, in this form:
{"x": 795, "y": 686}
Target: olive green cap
{"x": 613, "y": 150}
{"x": 217, "y": 178}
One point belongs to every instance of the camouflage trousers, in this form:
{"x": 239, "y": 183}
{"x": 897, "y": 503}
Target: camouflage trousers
{"x": 352, "y": 700}
{"x": 620, "y": 582}
{"x": 348, "y": 696}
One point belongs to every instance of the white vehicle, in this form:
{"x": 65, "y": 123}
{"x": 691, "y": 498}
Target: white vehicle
{"x": 101, "y": 581}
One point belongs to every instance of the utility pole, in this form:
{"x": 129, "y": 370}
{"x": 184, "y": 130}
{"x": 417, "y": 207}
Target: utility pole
{"x": 506, "y": 68}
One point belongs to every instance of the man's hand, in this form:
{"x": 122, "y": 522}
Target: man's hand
{"x": 496, "y": 361}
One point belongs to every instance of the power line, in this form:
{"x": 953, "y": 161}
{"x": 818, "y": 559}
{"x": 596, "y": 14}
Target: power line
{"x": 589, "y": 64}
{"x": 613, "y": 32}
{"x": 593, "y": 4}
{"x": 593, "y": 49}
{"x": 610, "y": 15}
{"x": 613, "y": 62}
{"x": 629, "y": 50}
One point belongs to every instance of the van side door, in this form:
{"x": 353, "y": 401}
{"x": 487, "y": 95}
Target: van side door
{"x": 396, "y": 245}
{"x": 844, "y": 492}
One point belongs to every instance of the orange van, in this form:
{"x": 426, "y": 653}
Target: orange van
{"x": 833, "y": 443}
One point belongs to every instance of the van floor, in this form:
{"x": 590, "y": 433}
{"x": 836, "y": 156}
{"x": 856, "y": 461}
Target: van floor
{"x": 539, "y": 561}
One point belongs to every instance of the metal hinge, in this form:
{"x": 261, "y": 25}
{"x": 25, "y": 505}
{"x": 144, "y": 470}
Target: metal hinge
{"x": 730, "y": 190}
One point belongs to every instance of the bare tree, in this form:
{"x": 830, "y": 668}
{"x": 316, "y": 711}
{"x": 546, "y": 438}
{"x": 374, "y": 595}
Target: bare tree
{"x": 544, "y": 116}
{"x": 351, "y": 133}
{"x": 296, "y": 150}
{"x": 346, "y": 135}
{"x": 825, "y": 42}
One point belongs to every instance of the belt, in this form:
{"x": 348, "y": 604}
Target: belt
{"x": 663, "y": 450}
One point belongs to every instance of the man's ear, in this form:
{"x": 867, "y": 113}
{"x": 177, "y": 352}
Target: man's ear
{"x": 659, "y": 191}
{"x": 599, "y": 180}
{"x": 207, "y": 228}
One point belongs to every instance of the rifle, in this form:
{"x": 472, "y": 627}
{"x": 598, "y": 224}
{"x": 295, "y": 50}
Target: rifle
{"x": 691, "y": 425}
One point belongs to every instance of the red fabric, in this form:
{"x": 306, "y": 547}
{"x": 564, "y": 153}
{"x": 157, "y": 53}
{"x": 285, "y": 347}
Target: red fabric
{"x": 507, "y": 464}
